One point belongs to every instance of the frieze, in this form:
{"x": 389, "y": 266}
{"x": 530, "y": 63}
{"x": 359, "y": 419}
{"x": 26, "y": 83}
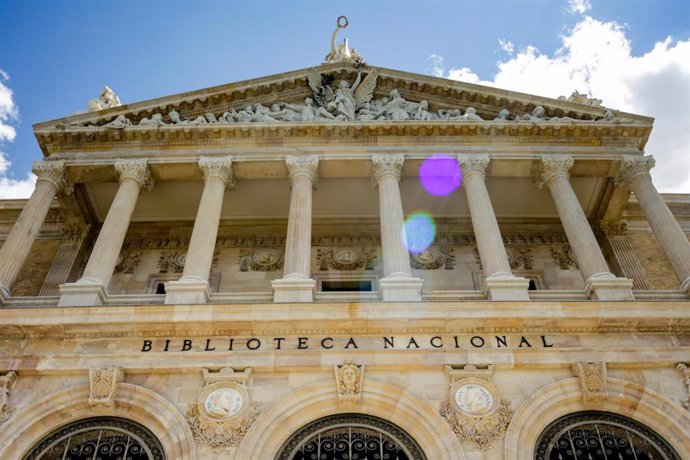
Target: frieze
{"x": 127, "y": 262}
{"x": 564, "y": 257}
{"x": 171, "y": 262}
{"x": 520, "y": 257}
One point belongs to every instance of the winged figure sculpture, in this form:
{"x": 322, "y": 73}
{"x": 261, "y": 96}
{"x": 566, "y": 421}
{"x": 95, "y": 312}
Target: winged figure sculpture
{"x": 344, "y": 102}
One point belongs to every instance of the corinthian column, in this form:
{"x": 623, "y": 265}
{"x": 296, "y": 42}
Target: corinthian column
{"x": 193, "y": 286}
{"x": 600, "y": 283}
{"x": 16, "y": 247}
{"x": 499, "y": 284}
{"x": 91, "y": 289}
{"x": 635, "y": 172}
{"x": 296, "y": 284}
{"x": 398, "y": 283}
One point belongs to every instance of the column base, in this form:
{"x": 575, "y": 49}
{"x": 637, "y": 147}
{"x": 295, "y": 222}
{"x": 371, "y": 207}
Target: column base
{"x": 684, "y": 286}
{"x": 4, "y": 294}
{"x": 401, "y": 289}
{"x": 82, "y": 295}
{"x": 293, "y": 290}
{"x": 187, "y": 291}
{"x": 609, "y": 288}
{"x": 506, "y": 287}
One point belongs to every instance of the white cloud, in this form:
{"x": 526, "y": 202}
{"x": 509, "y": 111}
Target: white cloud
{"x": 9, "y": 114}
{"x": 579, "y": 6}
{"x": 506, "y": 45}
{"x": 437, "y": 69}
{"x": 596, "y": 58}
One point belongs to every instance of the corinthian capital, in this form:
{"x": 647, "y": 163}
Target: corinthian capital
{"x": 218, "y": 167}
{"x": 51, "y": 171}
{"x": 137, "y": 170}
{"x": 553, "y": 166}
{"x": 473, "y": 164}
{"x": 303, "y": 166}
{"x": 385, "y": 165}
{"x": 632, "y": 167}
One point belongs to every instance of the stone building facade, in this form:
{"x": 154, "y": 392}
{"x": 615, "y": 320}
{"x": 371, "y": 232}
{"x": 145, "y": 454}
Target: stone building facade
{"x": 230, "y": 273}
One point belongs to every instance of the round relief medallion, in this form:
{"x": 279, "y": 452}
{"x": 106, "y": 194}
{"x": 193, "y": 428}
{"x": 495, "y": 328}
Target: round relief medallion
{"x": 224, "y": 403}
{"x": 425, "y": 257}
{"x": 266, "y": 257}
{"x": 475, "y": 397}
{"x": 346, "y": 256}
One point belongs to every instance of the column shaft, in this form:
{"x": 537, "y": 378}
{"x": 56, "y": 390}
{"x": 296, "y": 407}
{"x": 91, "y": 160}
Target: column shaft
{"x": 16, "y": 247}
{"x": 298, "y": 242}
{"x": 396, "y": 260}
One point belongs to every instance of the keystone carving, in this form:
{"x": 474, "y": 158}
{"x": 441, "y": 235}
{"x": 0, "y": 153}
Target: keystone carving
{"x": 349, "y": 378}
{"x": 224, "y": 411}
{"x": 104, "y": 382}
{"x": 592, "y": 378}
{"x": 474, "y": 409}
{"x": 6, "y": 383}
{"x": 684, "y": 371}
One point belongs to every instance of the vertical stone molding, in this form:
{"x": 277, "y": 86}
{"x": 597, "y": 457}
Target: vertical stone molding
{"x": 91, "y": 289}
{"x": 6, "y": 383}
{"x": 63, "y": 264}
{"x": 16, "y": 248}
{"x": 193, "y": 286}
{"x": 600, "y": 283}
{"x": 398, "y": 283}
{"x": 592, "y": 378}
{"x": 622, "y": 254}
{"x": 103, "y": 383}
{"x": 499, "y": 284}
{"x": 635, "y": 172}
{"x": 296, "y": 284}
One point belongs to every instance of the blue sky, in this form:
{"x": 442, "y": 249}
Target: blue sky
{"x": 55, "y": 55}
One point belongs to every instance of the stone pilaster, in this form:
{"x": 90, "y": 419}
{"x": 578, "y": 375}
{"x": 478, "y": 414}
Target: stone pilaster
{"x": 398, "y": 283}
{"x": 296, "y": 284}
{"x": 635, "y": 172}
{"x": 600, "y": 283}
{"x": 50, "y": 180}
{"x": 91, "y": 289}
{"x": 193, "y": 286}
{"x": 622, "y": 254}
{"x": 63, "y": 264}
{"x": 500, "y": 284}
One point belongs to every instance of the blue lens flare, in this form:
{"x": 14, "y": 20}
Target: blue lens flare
{"x": 419, "y": 232}
{"x": 440, "y": 174}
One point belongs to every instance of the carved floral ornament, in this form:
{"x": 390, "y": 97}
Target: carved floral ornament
{"x": 218, "y": 167}
{"x": 103, "y": 385}
{"x": 136, "y": 170}
{"x": 592, "y": 378}
{"x": 474, "y": 409}
{"x": 224, "y": 411}
{"x": 633, "y": 167}
{"x": 6, "y": 383}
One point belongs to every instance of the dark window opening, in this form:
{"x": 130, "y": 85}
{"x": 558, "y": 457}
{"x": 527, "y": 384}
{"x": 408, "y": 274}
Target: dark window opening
{"x": 532, "y": 286}
{"x": 160, "y": 288}
{"x": 346, "y": 286}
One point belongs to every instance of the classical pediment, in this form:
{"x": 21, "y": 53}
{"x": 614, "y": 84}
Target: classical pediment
{"x": 344, "y": 100}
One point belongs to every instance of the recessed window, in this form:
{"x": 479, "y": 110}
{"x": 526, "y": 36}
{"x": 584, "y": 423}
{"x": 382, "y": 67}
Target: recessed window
{"x": 160, "y": 288}
{"x": 347, "y": 286}
{"x": 532, "y": 285}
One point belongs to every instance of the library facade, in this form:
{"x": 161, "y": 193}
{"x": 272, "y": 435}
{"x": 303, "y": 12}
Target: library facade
{"x": 345, "y": 262}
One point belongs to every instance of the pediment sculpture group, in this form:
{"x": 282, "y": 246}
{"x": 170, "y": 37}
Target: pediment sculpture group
{"x": 343, "y": 102}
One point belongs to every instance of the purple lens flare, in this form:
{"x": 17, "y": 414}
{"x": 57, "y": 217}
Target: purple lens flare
{"x": 440, "y": 174}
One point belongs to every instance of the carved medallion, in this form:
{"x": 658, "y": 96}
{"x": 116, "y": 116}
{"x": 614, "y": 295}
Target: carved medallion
{"x": 433, "y": 259}
{"x": 474, "y": 400}
{"x": 172, "y": 262}
{"x": 346, "y": 259}
{"x": 261, "y": 260}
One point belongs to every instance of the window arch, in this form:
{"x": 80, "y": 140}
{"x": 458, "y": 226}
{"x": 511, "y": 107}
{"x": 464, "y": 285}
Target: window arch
{"x": 594, "y": 435}
{"x": 105, "y": 438}
{"x": 349, "y": 436}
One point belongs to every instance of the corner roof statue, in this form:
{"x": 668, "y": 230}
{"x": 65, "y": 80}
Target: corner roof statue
{"x": 107, "y": 100}
{"x": 342, "y": 51}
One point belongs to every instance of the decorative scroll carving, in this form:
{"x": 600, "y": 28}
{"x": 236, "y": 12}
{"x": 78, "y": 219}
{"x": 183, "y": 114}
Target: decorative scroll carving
{"x": 443, "y": 257}
{"x": 104, "y": 383}
{"x": 106, "y": 100}
{"x": 137, "y": 170}
{"x": 349, "y": 379}
{"x": 473, "y": 164}
{"x": 613, "y": 227}
{"x": 592, "y": 377}
{"x": 218, "y": 167}
{"x": 127, "y": 262}
{"x": 520, "y": 257}
{"x": 54, "y": 172}
{"x": 551, "y": 167}
{"x": 684, "y": 371}
{"x": 6, "y": 383}
{"x": 224, "y": 411}
{"x": 303, "y": 166}
{"x": 474, "y": 409}
{"x": 632, "y": 167}
{"x": 172, "y": 262}
{"x": 387, "y": 164}
{"x": 563, "y": 256}
{"x": 260, "y": 260}
{"x": 346, "y": 259}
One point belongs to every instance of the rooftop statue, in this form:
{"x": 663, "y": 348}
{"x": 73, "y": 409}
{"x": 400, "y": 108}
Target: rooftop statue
{"x": 342, "y": 52}
{"x": 107, "y": 100}
{"x": 580, "y": 98}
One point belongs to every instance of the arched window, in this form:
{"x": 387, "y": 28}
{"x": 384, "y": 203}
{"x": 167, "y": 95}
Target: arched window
{"x": 350, "y": 436}
{"x": 99, "y": 438}
{"x": 601, "y": 435}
